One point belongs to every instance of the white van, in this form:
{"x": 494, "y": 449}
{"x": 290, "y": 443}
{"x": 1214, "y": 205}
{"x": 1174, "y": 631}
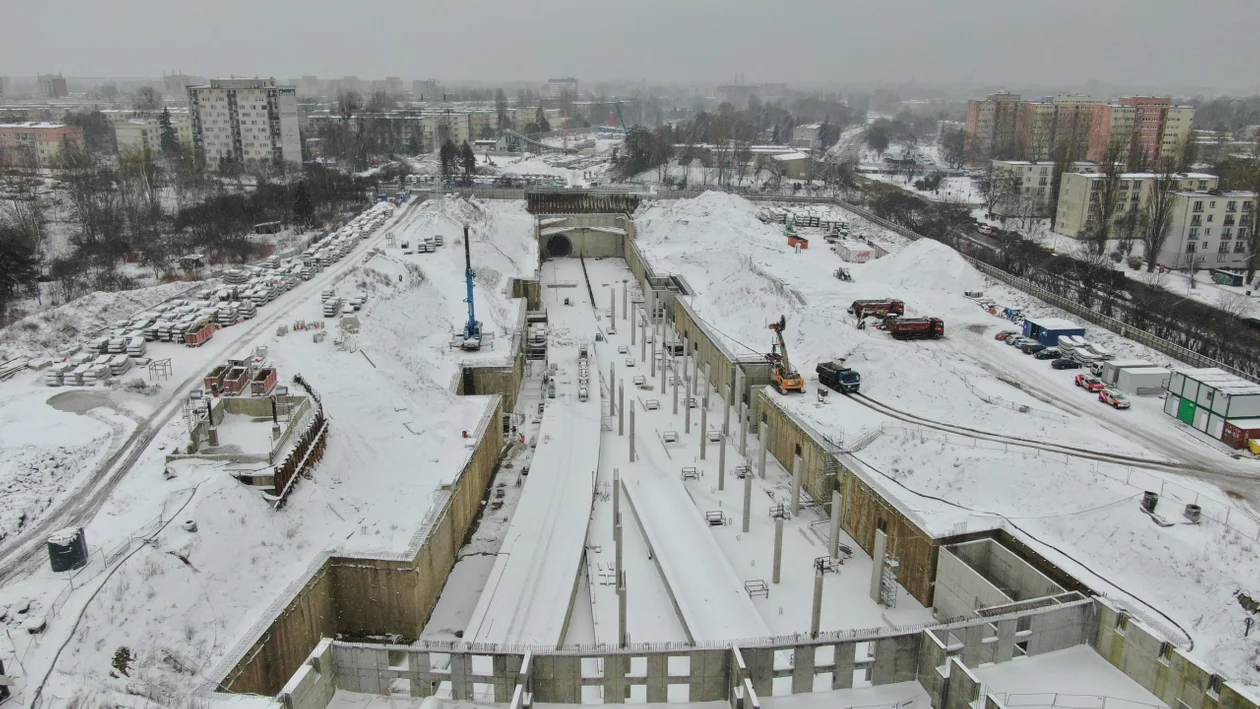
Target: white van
{"x": 582, "y": 394}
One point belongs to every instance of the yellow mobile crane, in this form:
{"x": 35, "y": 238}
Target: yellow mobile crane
{"x": 786, "y": 378}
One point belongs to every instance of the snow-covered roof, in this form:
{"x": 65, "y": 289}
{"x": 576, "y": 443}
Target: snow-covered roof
{"x": 786, "y": 157}
{"x": 1221, "y": 381}
{"x": 1245, "y": 424}
{"x": 1055, "y": 323}
{"x": 33, "y": 124}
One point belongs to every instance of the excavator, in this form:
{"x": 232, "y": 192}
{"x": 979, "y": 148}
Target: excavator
{"x": 786, "y": 378}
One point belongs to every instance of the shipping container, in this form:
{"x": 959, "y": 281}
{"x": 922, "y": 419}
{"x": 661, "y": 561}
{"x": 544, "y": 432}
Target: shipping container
{"x": 1238, "y": 432}
{"x": 1141, "y": 381}
{"x": 1111, "y": 369}
{"x": 1047, "y": 331}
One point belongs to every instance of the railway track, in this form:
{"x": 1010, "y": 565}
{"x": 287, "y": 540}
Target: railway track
{"x": 1198, "y": 471}
{"x": 23, "y": 554}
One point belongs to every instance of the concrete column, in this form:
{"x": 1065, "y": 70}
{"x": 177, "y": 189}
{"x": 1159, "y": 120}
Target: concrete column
{"x": 686, "y": 358}
{"x": 747, "y": 500}
{"x": 743, "y": 430}
{"x": 877, "y": 564}
{"x": 623, "y": 633}
{"x": 631, "y": 431}
{"x": 721, "y": 462}
{"x": 632, "y": 329}
{"x": 674, "y": 381}
{"x": 612, "y": 306}
{"x": 778, "y": 546}
{"x": 837, "y": 506}
{"x": 612, "y": 383}
{"x": 686, "y": 403}
{"x": 643, "y": 348}
{"x": 616, "y": 494}
{"x": 726, "y": 404}
{"x": 663, "y": 368}
{"x": 761, "y": 464}
{"x": 707, "y": 383}
{"x": 815, "y": 618}
{"x": 621, "y": 408}
{"x": 704, "y": 432}
{"x": 625, "y": 299}
{"x": 796, "y": 485}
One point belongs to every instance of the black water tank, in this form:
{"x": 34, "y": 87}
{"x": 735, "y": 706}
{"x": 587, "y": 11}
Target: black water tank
{"x": 67, "y": 549}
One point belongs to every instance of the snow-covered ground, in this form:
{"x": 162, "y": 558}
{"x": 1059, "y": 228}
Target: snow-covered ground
{"x": 1083, "y": 514}
{"x": 179, "y": 602}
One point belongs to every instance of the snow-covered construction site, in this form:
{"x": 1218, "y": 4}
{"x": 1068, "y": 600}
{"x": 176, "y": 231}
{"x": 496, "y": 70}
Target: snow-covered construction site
{"x": 590, "y": 448}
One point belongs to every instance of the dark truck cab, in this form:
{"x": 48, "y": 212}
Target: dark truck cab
{"x": 839, "y": 377}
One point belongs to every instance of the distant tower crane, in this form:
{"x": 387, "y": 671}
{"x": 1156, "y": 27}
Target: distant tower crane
{"x": 786, "y": 378}
{"x": 472, "y": 329}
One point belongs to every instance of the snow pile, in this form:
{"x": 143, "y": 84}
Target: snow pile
{"x": 45, "y": 332}
{"x": 927, "y": 265}
{"x": 33, "y": 477}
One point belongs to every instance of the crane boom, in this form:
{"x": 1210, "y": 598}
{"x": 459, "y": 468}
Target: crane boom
{"x": 786, "y": 377}
{"x": 472, "y": 329}
{"x": 778, "y": 328}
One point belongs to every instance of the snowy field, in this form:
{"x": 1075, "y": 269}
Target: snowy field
{"x": 1085, "y": 515}
{"x": 180, "y": 602}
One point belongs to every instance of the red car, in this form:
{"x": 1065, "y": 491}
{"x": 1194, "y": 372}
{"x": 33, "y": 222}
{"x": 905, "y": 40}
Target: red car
{"x": 1003, "y": 335}
{"x": 1089, "y": 383}
{"x": 1114, "y": 398}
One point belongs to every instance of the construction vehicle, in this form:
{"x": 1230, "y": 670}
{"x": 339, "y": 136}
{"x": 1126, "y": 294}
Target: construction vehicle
{"x": 879, "y": 308}
{"x": 843, "y": 274}
{"x": 916, "y": 328}
{"x": 785, "y": 378}
{"x": 472, "y": 329}
{"x": 839, "y": 377}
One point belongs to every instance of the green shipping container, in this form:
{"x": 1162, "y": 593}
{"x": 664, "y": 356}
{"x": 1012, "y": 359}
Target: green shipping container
{"x": 1185, "y": 412}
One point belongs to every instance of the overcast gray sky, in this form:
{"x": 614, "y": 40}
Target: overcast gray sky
{"x": 1182, "y": 42}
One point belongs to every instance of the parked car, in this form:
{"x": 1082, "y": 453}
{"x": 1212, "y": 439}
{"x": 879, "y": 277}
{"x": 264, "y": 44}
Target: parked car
{"x": 1065, "y": 363}
{"x": 1018, "y": 341}
{"x": 1049, "y": 353}
{"x": 1005, "y": 335}
{"x": 984, "y": 229}
{"x": 1114, "y": 398}
{"x": 1088, "y": 382}
{"x": 1031, "y": 347}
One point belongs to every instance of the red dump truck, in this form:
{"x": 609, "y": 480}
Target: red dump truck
{"x": 878, "y": 308}
{"x": 916, "y": 328}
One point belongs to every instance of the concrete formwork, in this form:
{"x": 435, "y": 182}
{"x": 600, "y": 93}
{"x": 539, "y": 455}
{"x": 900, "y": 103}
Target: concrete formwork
{"x": 528, "y": 288}
{"x": 360, "y": 595}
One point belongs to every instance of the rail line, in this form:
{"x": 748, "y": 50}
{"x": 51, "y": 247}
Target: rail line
{"x": 1196, "y": 471}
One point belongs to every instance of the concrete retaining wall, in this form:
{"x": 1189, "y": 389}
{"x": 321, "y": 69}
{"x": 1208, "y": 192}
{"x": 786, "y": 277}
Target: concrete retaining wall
{"x": 961, "y": 589}
{"x": 1163, "y": 670}
{"x": 586, "y": 235}
{"x": 314, "y": 684}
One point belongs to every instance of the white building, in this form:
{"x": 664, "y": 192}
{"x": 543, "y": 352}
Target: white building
{"x": 136, "y": 134}
{"x": 558, "y": 87}
{"x": 247, "y": 120}
{"x": 1210, "y": 229}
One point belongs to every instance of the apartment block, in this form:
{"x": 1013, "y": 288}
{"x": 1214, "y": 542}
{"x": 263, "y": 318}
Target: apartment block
{"x": 393, "y": 85}
{"x": 990, "y": 127}
{"x": 247, "y": 120}
{"x": 559, "y": 87}
{"x": 4, "y": 87}
{"x": 138, "y": 134}
{"x": 1209, "y": 229}
{"x": 48, "y": 86}
{"x": 1150, "y": 124}
{"x": 40, "y": 143}
{"x": 1079, "y": 192}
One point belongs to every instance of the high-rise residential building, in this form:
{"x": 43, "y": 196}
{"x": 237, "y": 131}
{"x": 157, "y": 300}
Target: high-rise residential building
{"x": 51, "y": 86}
{"x": 1080, "y": 192}
{"x": 176, "y": 85}
{"x": 308, "y": 86}
{"x": 37, "y": 143}
{"x": 990, "y": 129}
{"x": 247, "y": 120}
{"x": 393, "y": 85}
{"x": 561, "y": 87}
{"x": 428, "y": 88}
{"x": 1209, "y": 229}
{"x": 351, "y": 83}
{"x": 1041, "y": 126}
{"x": 138, "y": 134}
{"x": 1147, "y": 123}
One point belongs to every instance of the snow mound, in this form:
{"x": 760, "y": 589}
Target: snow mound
{"x": 926, "y": 265}
{"x": 43, "y": 333}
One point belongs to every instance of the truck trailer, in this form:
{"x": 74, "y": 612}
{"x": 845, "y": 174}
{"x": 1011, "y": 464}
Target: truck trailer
{"x": 916, "y": 328}
{"x": 878, "y": 308}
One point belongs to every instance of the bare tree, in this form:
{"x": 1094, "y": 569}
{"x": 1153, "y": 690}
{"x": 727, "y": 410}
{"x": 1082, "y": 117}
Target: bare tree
{"x": 1234, "y": 304}
{"x": 1157, "y": 216}
{"x": 1104, "y": 197}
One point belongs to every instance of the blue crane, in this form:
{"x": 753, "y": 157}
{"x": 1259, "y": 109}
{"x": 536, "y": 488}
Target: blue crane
{"x": 472, "y": 329}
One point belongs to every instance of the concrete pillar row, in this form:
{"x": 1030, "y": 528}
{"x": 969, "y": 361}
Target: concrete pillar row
{"x": 837, "y": 506}
{"x": 704, "y": 431}
{"x": 631, "y": 431}
{"x": 747, "y": 500}
{"x": 621, "y": 405}
{"x": 796, "y": 485}
{"x": 761, "y": 465}
{"x": 721, "y": 462}
{"x": 778, "y": 546}
{"x": 687, "y": 403}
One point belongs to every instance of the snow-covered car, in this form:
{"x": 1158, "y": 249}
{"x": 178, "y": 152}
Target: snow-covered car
{"x": 1114, "y": 398}
{"x": 1088, "y": 382}
{"x": 1031, "y": 347}
{"x": 1065, "y": 363}
{"x": 1005, "y": 335}
{"x": 1018, "y": 340}
{"x": 1048, "y": 353}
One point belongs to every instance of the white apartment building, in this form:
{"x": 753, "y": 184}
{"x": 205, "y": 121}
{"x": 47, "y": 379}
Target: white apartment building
{"x": 136, "y": 134}
{"x": 558, "y": 87}
{"x": 1080, "y": 192}
{"x": 1209, "y": 229}
{"x": 247, "y": 120}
